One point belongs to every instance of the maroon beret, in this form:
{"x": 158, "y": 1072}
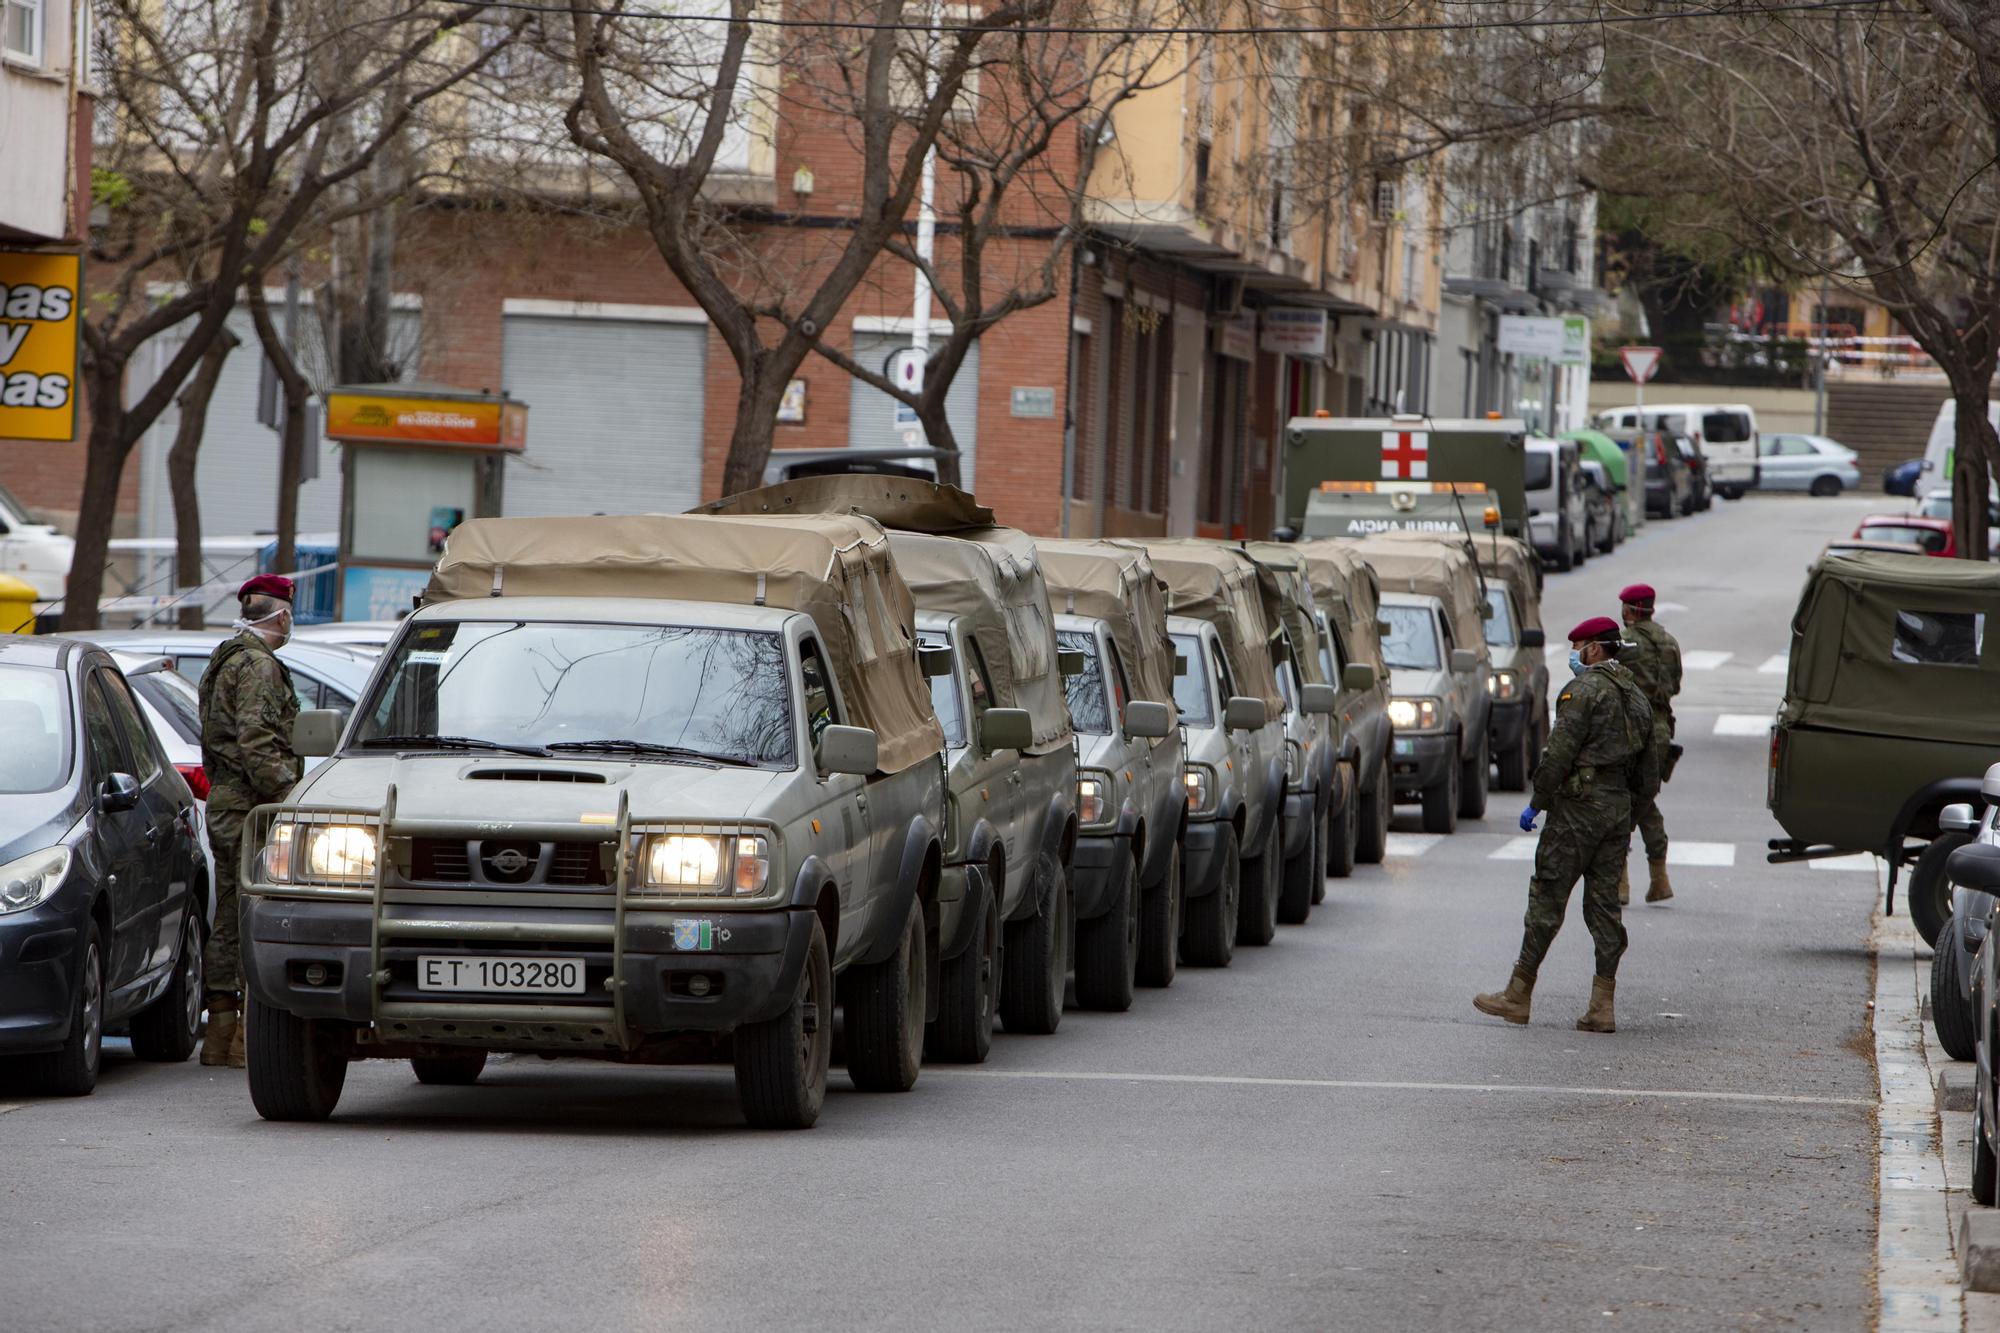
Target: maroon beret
{"x": 267, "y": 585}
{"x": 1596, "y": 628}
{"x": 1636, "y": 592}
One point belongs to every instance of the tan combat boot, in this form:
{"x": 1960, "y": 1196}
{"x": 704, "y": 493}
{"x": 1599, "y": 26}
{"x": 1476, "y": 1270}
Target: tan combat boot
{"x": 1660, "y": 889}
{"x": 224, "y": 1028}
{"x": 1624, "y": 885}
{"x": 1512, "y": 1003}
{"x": 237, "y": 1059}
{"x": 1598, "y": 1017}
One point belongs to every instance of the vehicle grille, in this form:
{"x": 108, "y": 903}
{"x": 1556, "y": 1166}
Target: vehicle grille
{"x": 509, "y": 863}
{"x": 440, "y": 861}
{"x": 578, "y": 864}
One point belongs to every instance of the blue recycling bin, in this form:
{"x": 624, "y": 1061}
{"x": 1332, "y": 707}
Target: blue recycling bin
{"x": 312, "y": 599}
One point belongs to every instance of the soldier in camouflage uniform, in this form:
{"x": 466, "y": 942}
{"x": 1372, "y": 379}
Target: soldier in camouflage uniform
{"x": 1598, "y": 762}
{"x": 247, "y": 709}
{"x": 1655, "y": 658}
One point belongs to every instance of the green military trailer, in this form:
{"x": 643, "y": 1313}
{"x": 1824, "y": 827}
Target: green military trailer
{"x": 1357, "y": 476}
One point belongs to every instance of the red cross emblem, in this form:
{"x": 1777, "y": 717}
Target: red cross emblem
{"x": 1406, "y": 455}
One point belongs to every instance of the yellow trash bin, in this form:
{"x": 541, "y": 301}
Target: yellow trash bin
{"x": 17, "y": 606}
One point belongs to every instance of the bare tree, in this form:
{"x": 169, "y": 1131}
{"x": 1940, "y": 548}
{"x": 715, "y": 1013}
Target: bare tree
{"x": 181, "y": 461}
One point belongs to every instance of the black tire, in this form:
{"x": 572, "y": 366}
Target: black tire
{"x": 72, "y": 1071}
{"x": 167, "y": 1030}
{"x": 459, "y": 1070}
{"x": 1514, "y": 762}
{"x": 962, "y": 1032}
{"x": 1610, "y": 542}
{"x": 1303, "y": 875}
{"x": 1263, "y": 877}
{"x": 1034, "y": 963}
{"x": 1371, "y": 839}
{"x": 1929, "y": 890}
{"x": 1565, "y": 557}
{"x": 781, "y": 1063}
{"x": 1472, "y": 783}
{"x": 884, "y": 1006}
{"x": 1160, "y": 924}
{"x": 1441, "y": 802}
{"x": 297, "y": 1065}
{"x": 1107, "y": 947}
{"x": 1824, "y": 486}
{"x": 1951, "y": 1007}
{"x": 1209, "y": 939}
{"x": 1343, "y": 837}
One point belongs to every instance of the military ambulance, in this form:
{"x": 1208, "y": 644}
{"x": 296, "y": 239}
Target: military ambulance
{"x": 1356, "y": 476}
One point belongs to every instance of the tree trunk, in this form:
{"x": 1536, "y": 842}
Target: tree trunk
{"x": 1975, "y": 449}
{"x": 291, "y": 455}
{"x": 937, "y": 431}
{"x": 97, "y": 509}
{"x": 181, "y": 460}
{"x": 756, "y": 424}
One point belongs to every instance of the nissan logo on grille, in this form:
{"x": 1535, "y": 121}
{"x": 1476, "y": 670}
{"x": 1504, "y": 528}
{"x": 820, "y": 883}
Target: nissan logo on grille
{"x": 509, "y": 863}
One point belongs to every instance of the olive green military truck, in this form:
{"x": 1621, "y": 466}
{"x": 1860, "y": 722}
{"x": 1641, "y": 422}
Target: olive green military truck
{"x": 641, "y": 789}
{"x": 1349, "y": 598}
{"x": 1356, "y": 476}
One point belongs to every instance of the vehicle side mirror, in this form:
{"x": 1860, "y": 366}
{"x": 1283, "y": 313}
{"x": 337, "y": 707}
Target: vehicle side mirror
{"x": 1245, "y": 713}
{"x": 848, "y": 750}
{"x": 1284, "y": 534}
{"x": 1463, "y": 660}
{"x": 1180, "y": 664}
{"x": 1071, "y": 662}
{"x": 119, "y": 792}
{"x": 1384, "y": 628}
{"x": 1281, "y": 651}
{"x": 1358, "y": 676}
{"x": 1954, "y": 818}
{"x": 934, "y": 662}
{"x": 1148, "y": 719}
{"x": 1989, "y": 786}
{"x": 316, "y": 732}
{"x": 1319, "y": 698}
{"x": 1534, "y": 638}
{"x": 1006, "y": 729}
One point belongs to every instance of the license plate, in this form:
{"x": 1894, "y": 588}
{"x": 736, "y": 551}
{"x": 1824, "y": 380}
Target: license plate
{"x": 1406, "y": 747}
{"x": 533, "y": 976}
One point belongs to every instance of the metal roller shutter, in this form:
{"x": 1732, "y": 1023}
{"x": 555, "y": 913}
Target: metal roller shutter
{"x": 614, "y": 415}
{"x": 871, "y": 416}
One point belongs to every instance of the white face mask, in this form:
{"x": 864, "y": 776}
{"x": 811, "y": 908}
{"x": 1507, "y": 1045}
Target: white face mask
{"x": 283, "y": 613}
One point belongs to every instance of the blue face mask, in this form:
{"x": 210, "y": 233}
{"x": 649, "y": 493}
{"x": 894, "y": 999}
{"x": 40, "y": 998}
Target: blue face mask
{"x": 1576, "y": 661}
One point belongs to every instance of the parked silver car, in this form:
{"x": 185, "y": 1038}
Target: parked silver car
{"x": 1810, "y": 463}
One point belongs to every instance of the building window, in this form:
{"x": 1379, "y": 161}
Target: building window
{"x": 1201, "y": 156}
{"x": 1385, "y": 201}
{"x": 23, "y": 29}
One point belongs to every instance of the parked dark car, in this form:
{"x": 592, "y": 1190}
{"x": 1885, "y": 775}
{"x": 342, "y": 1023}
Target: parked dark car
{"x": 1700, "y": 493}
{"x": 1972, "y": 872}
{"x": 103, "y": 880}
{"x": 1669, "y": 484}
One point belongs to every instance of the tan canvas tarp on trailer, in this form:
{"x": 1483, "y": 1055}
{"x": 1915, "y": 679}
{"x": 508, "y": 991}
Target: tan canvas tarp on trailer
{"x": 1114, "y": 582}
{"x": 1286, "y": 588}
{"x": 1414, "y": 563}
{"x": 1217, "y": 583}
{"x": 1350, "y": 594}
{"x": 1508, "y": 559}
{"x": 956, "y": 561}
{"x": 1913, "y": 638}
{"x": 835, "y": 568}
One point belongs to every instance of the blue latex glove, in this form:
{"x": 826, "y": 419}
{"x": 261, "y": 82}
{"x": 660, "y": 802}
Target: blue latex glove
{"x": 1528, "y": 819}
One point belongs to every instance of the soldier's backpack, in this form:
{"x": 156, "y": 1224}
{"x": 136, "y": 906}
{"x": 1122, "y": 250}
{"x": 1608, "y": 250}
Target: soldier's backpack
{"x": 1642, "y": 773}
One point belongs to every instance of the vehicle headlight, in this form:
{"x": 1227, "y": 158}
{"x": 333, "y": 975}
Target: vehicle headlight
{"x": 1200, "y": 780}
{"x": 1093, "y": 798}
{"x": 278, "y": 853}
{"x": 738, "y": 866}
{"x": 1413, "y": 714}
{"x": 27, "y": 881}
{"x": 1503, "y": 684}
{"x": 339, "y": 852}
{"x": 1295, "y": 761}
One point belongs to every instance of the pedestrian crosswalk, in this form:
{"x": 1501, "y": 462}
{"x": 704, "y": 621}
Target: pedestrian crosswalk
{"x": 1521, "y": 847}
{"x": 1775, "y": 666}
{"x": 1742, "y": 724}
{"x": 1703, "y": 659}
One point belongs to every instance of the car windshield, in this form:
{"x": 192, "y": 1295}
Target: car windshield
{"x": 1541, "y": 470}
{"x": 1725, "y": 427}
{"x": 1924, "y": 539}
{"x": 1089, "y": 702}
{"x": 944, "y": 696}
{"x": 722, "y": 693}
{"x": 1499, "y": 625}
{"x": 1191, "y": 683}
{"x": 1411, "y": 642}
{"x": 34, "y": 729}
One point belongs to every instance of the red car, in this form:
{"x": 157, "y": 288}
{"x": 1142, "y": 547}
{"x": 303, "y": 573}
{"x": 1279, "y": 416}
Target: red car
{"x": 1927, "y": 536}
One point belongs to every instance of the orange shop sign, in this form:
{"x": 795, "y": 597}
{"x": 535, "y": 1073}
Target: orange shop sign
{"x": 38, "y": 344}
{"x": 474, "y": 422}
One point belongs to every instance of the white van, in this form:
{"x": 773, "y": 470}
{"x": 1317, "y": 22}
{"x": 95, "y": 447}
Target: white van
{"x": 1558, "y": 521}
{"x": 1944, "y": 440}
{"x": 32, "y": 552}
{"x": 1727, "y": 435}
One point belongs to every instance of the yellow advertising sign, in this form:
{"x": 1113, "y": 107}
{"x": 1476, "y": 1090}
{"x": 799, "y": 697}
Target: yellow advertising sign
{"x": 393, "y": 418}
{"x": 39, "y": 295}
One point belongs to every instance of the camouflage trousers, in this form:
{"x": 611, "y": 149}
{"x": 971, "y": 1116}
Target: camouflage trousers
{"x": 1646, "y": 814}
{"x": 223, "y": 958}
{"x": 1588, "y": 836}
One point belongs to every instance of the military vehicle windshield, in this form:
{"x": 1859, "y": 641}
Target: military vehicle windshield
{"x": 34, "y": 728}
{"x": 1191, "y": 683}
{"x": 725, "y": 694}
{"x": 1089, "y": 701}
{"x": 1499, "y": 625}
{"x": 1541, "y": 470}
{"x": 1411, "y": 643}
{"x": 944, "y": 696}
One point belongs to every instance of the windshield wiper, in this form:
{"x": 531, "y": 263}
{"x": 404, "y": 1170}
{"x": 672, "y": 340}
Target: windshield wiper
{"x": 448, "y": 743}
{"x": 650, "y": 750}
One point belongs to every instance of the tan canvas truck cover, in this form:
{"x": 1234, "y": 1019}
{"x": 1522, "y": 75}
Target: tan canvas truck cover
{"x": 1514, "y": 563}
{"x": 1350, "y": 594}
{"x": 958, "y": 562}
{"x": 1902, "y": 644}
{"x": 835, "y": 568}
{"x": 1115, "y": 582}
{"x": 1216, "y": 583}
{"x": 1286, "y": 588}
{"x": 1417, "y": 563}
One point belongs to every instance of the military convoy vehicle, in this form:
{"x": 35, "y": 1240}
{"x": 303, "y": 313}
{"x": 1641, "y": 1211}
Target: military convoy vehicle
{"x": 1349, "y": 596}
{"x": 1888, "y": 715}
{"x": 643, "y": 789}
{"x": 1356, "y": 476}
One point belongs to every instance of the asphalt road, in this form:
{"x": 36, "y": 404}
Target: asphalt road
{"x": 1327, "y": 1135}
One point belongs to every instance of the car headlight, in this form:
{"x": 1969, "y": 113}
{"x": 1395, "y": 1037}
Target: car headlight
{"x": 1413, "y": 714}
{"x": 1093, "y": 804}
{"x": 1200, "y": 780}
{"x": 1295, "y": 761}
{"x": 27, "y": 881}
{"x": 732, "y": 866}
{"x": 278, "y": 853}
{"x": 1503, "y": 684}
{"x": 344, "y": 852}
